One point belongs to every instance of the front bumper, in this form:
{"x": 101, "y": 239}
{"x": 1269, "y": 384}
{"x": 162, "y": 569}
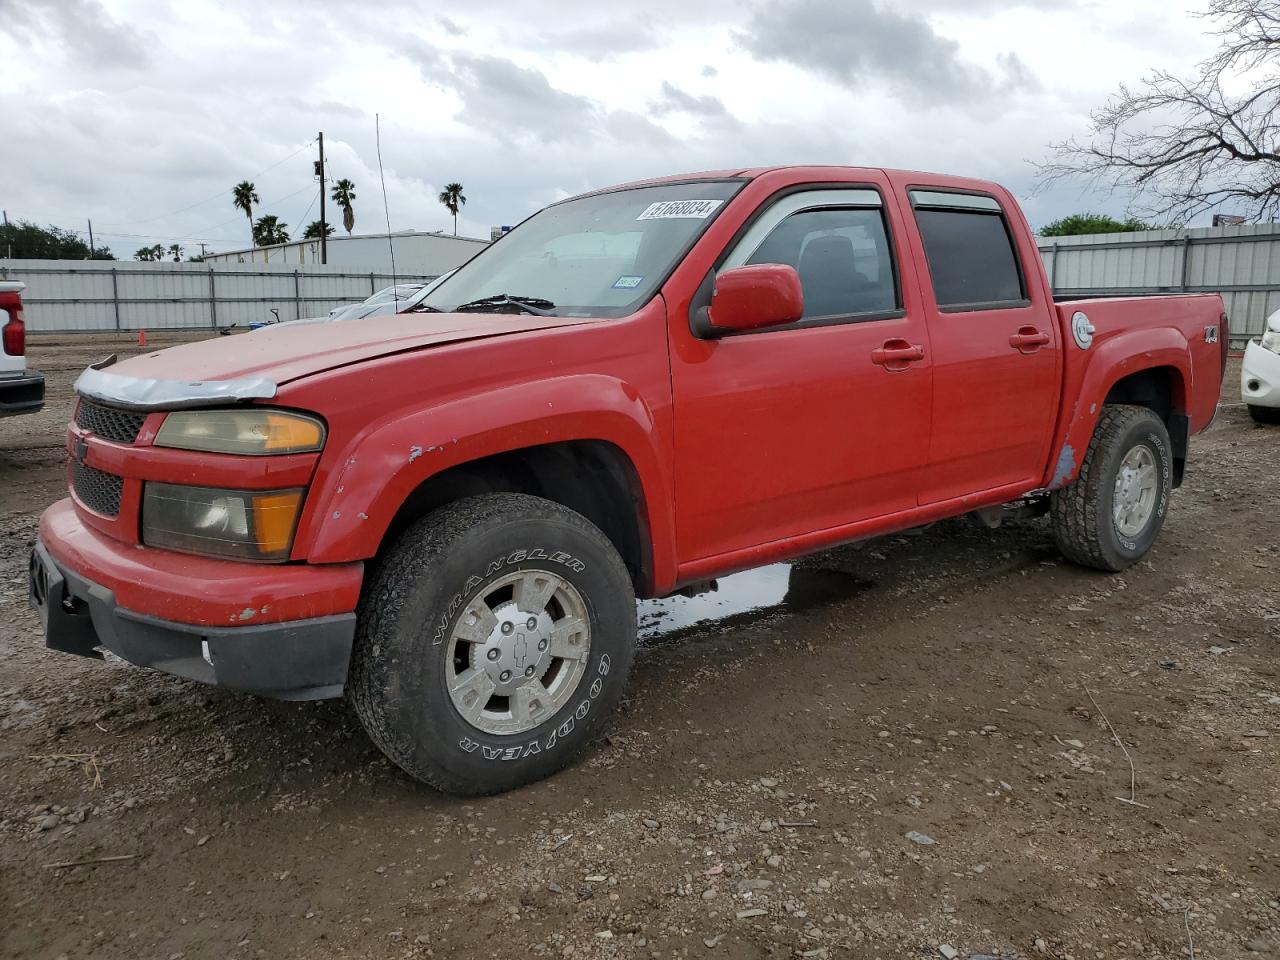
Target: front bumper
{"x": 21, "y": 394}
{"x": 92, "y": 592}
{"x": 1260, "y": 376}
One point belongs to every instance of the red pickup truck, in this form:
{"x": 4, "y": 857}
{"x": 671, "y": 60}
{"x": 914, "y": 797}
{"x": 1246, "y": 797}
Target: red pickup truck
{"x": 449, "y": 514}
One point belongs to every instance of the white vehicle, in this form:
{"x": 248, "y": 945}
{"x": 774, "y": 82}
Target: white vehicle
{"x": 21, "y": 390}
{"x": 395, "y": 299}
{"x": 1260, "y": 374}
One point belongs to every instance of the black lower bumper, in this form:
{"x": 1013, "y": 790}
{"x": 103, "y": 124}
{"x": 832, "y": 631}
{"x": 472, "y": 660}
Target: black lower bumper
{"x": 297, "y": 660}
{"x": 21, "y": 394}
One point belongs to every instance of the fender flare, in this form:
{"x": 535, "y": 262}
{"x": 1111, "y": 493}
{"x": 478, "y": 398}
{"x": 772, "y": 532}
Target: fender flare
{"x": 353, "y": 502}
{"x": 1110, "y": 362}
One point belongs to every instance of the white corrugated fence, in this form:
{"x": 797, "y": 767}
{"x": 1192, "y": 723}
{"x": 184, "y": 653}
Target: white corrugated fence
{"x": 95, "y": 295}
{"x": 1241, "y": 262}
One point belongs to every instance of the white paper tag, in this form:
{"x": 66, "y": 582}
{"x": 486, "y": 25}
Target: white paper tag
{"x": 680, "y": 210}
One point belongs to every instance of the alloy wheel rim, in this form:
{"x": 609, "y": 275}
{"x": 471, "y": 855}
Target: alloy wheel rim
{"x": 1137, "y": 484}
{"x": 518, "y": 651}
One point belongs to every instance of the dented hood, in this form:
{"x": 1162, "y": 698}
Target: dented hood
{"x": 273, "y": 356}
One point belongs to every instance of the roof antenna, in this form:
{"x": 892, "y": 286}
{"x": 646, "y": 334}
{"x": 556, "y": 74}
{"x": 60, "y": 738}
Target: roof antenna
{"x": 395, "y": 288}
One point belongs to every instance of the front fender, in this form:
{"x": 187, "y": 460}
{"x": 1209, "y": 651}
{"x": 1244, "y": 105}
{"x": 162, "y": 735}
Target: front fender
{"x": 348, "y": 513}
{"x": 1090, "y": 378}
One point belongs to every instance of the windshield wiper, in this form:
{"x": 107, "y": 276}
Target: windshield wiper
{"x": 423, "y": 308}
{"x": 495, "y": 304}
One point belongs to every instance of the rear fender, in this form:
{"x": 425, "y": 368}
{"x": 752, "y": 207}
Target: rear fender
{"x": 348, "y": 515}
{"x": 1091, "y": 374}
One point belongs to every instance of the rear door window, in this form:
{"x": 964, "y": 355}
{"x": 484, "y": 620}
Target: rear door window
{"x": 970, "y": 251}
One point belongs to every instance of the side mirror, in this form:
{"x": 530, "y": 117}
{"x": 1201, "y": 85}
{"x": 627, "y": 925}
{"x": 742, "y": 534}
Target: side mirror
{"x": 755, "y": 296}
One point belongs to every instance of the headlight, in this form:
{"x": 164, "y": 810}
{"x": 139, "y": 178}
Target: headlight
{"x": 1271, "y": 341}
{"x": 242, "y": 524}
{"x": 256, "y": 432}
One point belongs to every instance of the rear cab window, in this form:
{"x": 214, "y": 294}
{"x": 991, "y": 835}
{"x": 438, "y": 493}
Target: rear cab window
{"x": 969, "y": 247}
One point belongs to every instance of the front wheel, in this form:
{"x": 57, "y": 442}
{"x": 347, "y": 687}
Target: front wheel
{"x": 1110, "y": 515}
{"x": 494, "y": 640}
{"x": 1264, "y": 414}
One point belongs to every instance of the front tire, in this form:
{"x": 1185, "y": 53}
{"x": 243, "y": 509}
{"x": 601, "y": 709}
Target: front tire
{"x": 1110, "y": 515}
{"x": 1268, "y": 415}
{"x": 493, "y": 642}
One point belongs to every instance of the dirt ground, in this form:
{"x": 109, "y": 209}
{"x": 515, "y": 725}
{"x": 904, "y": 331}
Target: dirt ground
{"x": 912, "y": 755}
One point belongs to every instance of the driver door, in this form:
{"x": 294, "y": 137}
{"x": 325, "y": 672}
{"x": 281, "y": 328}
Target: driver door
{"x": 790, "y": 430}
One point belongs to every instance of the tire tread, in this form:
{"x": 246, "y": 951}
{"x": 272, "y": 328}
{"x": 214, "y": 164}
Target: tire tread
{"x": 416, "y": 549}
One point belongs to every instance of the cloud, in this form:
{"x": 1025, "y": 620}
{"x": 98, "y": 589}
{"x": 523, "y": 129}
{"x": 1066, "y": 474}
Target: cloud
{"x": 84, "y": 29}
{"x": 604, "y": 40}
{"x": 513, "y": 102}
{"x": 855, "y": 41}
{"x": 674, "y": 99}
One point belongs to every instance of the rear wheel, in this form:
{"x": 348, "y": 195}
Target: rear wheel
{"x": 1110, "y": 516}
{"x": 494, "y": 641}
{"x": 1264, "y": 414}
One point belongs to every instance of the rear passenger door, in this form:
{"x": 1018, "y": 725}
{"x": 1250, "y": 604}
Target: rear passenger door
{"x": 995, "y": 346}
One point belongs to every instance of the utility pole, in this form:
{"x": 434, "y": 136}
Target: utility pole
{"x": 93, "y": 254}
{"x": 201, "y": 242}
{"x": 8, "y": 236}
{"x": 324, "y": 241}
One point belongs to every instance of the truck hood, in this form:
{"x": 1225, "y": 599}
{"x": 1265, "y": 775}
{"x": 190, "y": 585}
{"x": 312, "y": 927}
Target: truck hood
{"x": 252, "y": 365}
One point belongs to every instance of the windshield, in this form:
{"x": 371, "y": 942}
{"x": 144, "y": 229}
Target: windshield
{"x": 596, "y": 256}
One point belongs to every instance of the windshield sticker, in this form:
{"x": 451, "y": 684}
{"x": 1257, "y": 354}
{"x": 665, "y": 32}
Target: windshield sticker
{"x": 680, "y": 210}
{"x": 627, "y": 283}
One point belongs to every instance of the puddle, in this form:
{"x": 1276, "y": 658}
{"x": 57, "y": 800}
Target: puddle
{"x": 777, "y": 588}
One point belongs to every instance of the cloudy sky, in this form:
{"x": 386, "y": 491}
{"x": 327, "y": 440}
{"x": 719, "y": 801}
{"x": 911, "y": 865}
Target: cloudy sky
{"x": 142, "y": 115}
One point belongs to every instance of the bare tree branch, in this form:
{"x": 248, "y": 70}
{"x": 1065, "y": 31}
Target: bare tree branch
{"x": 1181, "y": 147}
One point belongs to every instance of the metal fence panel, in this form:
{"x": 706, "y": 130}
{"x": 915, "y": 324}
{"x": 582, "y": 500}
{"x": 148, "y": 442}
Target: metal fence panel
{"x": 1241, "y": 262}
{"x": 95, "y": 295}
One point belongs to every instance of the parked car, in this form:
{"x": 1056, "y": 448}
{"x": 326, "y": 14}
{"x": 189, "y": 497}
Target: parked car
{"x": 448, "y": 516}
{"x": 21, "y": 389}
{"x": 360, "y": 311}
{"x": 393, "y": 299}
{"x": 1260, "y": 374}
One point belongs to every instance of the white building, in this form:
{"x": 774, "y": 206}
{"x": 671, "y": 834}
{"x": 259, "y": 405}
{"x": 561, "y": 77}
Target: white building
{"x": 416, "y": 254}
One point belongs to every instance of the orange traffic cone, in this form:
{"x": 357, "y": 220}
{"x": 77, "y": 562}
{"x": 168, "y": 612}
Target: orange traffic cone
{"x": 142, "y": 338}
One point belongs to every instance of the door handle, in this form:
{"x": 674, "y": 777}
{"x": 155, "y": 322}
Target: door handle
{"x": 1029, "y": 339}
{"x": 896, "y": 354}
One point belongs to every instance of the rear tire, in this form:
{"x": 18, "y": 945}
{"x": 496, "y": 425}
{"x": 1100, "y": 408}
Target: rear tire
{"x": 493, "y": 642}
{"x": 1110, "y": 515}
{"x": 1268, "y": 415}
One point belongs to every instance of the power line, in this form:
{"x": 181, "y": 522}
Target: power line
{"x": 220, "y": 193}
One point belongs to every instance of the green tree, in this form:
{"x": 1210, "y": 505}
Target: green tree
{"x": 453, "y": 200}
{"x": 175, "y": 251}
{"x": 245, "y": 197}
{"x": 153, "y": 252}
{"x": 1081, "y": 223}
{"x": 313, "y": 230}
{"x": 26, "y": 241}
{"x": 344, "y": 192}
{"x": 269, "y": 231}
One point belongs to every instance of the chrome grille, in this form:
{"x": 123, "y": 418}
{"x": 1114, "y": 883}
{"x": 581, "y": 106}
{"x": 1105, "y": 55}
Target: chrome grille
{"x": 110, "y": 423}
{"x": 98, "y": 491}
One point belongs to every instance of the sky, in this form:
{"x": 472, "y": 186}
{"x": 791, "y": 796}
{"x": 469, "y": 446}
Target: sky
{"x": 142, "y": 115}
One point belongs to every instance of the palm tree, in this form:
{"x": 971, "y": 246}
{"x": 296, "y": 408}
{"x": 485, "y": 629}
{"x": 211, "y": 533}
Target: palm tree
{"x": 245, "y": 197}
{"x": 451, "y": 196}
{"x": 269, "y": 231}
{"x": 344, "y": 191}
{"x": 175, "y": 251}
{"x": 313, "y": 230}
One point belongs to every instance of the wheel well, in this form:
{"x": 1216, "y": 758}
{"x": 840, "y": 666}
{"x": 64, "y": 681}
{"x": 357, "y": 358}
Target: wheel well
{"x": 1161, "y": 390}
{"x": 593, "y": 477}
